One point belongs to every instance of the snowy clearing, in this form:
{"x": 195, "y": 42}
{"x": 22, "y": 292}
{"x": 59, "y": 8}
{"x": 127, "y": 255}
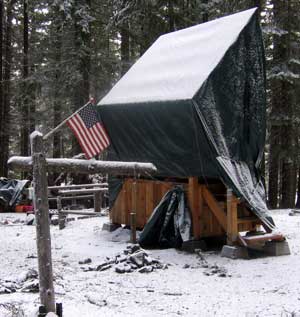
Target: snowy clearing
{"x": 268, "y": 286}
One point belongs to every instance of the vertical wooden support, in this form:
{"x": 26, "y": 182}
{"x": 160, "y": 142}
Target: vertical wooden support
{"x": 61, "y": 217}
{"x": 194, "y": 203}
{"x": 150, "y": 204}
{"x": 133, "y": 213}
{"x": 41, "y": 208}
{"x": 126, "y": 207}
{"x": 97, "y": 201}
{"x": 200, "y": 210}
{"x": 133, "y": 227}
{"x": 232, "y": 217}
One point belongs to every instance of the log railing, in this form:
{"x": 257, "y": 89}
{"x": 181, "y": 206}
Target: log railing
{"x": 39, "y": 164}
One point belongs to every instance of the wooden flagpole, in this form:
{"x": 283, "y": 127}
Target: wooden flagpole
{"x": 46, "y": 136}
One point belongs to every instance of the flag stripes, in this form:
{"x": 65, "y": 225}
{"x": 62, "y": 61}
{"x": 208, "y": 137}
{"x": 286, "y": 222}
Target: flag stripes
{"x": 89, "y": 131}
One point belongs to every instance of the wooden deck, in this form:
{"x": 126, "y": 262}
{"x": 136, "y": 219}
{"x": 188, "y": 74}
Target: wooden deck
{"x": 215, "y": 210}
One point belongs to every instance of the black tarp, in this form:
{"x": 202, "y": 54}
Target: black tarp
{"x": 10, "y": 192}
{"x": 195, "y": 104}
{"x": 170, "y": 222}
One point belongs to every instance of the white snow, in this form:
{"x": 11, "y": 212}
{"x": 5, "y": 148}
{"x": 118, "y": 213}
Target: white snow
{"x": 273, "y": 30}
{"x": 35, "y": 134}
{"x": 288, "y": 75}
{"x": 178, "y": 63}
{"x": 294, "y": 61}
{"x": 110, "y": 167}
{"x": 267, "y": 286}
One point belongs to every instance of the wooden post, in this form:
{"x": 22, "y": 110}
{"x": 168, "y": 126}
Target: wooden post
{"x": 232, "y": 217}
{"x": 97, "y": 201}
{"x": 61, "y": 216}
{"x": 73, "y": 201}
{"x": 194, "y": 203}
{"x": 133, "y": 213}
{"x": 133, "y": 227}
{"x": 42, "y": 222}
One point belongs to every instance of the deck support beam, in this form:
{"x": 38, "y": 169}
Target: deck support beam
{"x": 194, "y": 203}
{"x": 232, "y": 218}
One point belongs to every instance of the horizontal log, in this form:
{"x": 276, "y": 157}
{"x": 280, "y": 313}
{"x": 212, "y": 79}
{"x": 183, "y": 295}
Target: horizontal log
{"x": 80, "y": 212}
{"x": 79, "y": 186}
{"x": 24, "y": 163}
{"x": 83, "y": 191}
{"x": 72, "y": 197}
{"x": 251, "y": 240}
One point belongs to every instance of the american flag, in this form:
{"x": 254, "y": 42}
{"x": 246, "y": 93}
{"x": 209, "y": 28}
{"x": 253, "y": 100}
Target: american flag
{"x": 89, "y": 131}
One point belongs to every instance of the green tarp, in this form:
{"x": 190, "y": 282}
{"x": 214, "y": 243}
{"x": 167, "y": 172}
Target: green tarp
{"x": 194, "y": 105}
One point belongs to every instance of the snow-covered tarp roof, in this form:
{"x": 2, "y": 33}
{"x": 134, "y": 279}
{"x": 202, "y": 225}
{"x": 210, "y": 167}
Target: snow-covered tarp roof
{"x": 178, "y": 63}
{"x": 195, "y": 105}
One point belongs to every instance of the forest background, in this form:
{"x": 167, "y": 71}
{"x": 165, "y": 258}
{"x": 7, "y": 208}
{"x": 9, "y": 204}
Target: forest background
{"x": 55, "y": 54}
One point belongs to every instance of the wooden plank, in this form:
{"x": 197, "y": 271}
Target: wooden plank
{"x": 200, "y": 209}
{"x": 215, "y": 208}
{"x": 232, "y": 218}
{"x": 116, "y": 211}
{"x": 141, "y": 205}
{"x": 209, "y": 225}
{"x": 251, "y": 240}
{"x": 150, "y": 203}
{"x": 134, "y": 196}
{"x": 124, "y": 209}
{"x": 128, "y": 200}
{"x": 194, "y": 203}
{"x": 133, "y": 227}
{"x": 156, "y": 194}
{"x": 163, "y": 188}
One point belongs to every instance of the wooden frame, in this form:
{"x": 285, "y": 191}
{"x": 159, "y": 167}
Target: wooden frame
{"x": 215, "y": 210}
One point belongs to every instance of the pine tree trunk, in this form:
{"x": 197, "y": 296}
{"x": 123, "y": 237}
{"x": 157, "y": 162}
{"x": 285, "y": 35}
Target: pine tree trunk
{"x": 1, "y": 88}
{"x": 257, "y": 4}
{"x": 125, "y": 44}
{"x": 7, "y": 88}
{"x": 57, "y": 107}
{"x": 125, "y": 48}
{"x": 205, "y": 14}
{"x": 171, "y": 16}
{"x": 273, "y": 189}
{"x": 288, "y": 171}
{"x": 82, "y": 89}
{"x": 282, "y": 112}
{"x": 25, "y": 105}
{"x": 32, "y": 103}
{"x": 298, "y": 191}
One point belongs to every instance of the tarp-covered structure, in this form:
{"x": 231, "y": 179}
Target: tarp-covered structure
{"x": 194, "y": 105}
{"x": 10, "y": 193}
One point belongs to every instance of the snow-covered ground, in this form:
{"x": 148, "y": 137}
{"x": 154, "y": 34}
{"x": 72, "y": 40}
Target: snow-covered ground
{"x": 268, "y": 286}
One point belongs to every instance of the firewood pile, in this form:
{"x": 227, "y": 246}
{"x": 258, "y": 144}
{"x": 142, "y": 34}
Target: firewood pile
{"x": 132, "y": 259}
